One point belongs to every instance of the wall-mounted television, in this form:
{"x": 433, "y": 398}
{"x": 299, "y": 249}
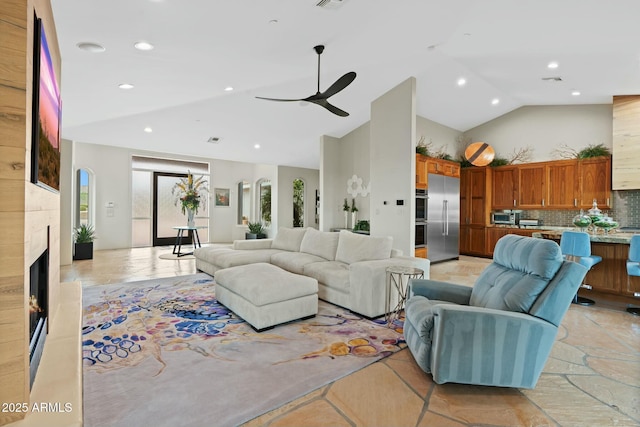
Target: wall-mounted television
{"x": 46, "y": 115}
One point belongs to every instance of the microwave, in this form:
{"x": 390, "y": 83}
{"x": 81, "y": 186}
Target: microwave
{"x": 510, "y": 218}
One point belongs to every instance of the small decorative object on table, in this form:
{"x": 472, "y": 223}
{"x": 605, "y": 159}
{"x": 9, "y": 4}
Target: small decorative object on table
{"x": 346, "y": 209}
{"x": 582, "y": 221}
{"x": 354, "y": 212}
{"x": 606, "y": 223}
{"x": 187, "y": 192}
{"x": 256, "y": 231}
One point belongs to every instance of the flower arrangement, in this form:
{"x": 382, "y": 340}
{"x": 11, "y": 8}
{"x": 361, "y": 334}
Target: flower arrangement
{"x": 345, "y": 205}
{"x": 353, "y": 206}
{"x": 188, "y": 192}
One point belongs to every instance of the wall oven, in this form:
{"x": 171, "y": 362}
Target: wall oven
{"x": 421, "y": 205}
{"x": 421, "y": 235}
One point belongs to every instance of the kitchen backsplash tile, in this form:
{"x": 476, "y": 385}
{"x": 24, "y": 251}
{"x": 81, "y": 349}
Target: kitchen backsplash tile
{"x": 625, "y": 210}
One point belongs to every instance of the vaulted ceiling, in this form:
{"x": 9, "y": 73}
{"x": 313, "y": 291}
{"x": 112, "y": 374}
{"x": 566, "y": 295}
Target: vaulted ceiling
{"x": 502, "y": 49}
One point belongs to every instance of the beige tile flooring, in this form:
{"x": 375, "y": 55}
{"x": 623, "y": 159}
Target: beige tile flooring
{"x": 591, "y": 379}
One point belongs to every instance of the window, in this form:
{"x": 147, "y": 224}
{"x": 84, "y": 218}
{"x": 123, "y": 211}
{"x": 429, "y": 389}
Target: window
{"x": 244, "y": 201}
{"x": 84, "y": 208}
{"x": 298, "y": 203}
{"x": 264, "y": 202}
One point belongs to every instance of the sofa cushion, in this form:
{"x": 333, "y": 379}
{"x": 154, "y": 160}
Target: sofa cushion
{"x": 235, "y": 258}
{"x": 353, "y": 247}
{"x": 521, "y": 269}
{"x": 320, "y": 243}
{"x": 288, "y": 239}
{"x": 294, "y": 262}
{"x": 333, "y": 274}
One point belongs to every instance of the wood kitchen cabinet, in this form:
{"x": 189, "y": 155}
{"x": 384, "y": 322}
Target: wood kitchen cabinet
{"x": 426, "y": 165}
{"x": 595, "y": 182}
{"x": 495, "y": 233}
{"x": 532, "y": 186}
{"x": 475, "y": 209}
{"x": 562, "y": 184}
{"x": 421, "y": 171}
{"x": 505, "y": 187}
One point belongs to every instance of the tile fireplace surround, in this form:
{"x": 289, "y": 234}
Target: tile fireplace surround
{"x": 591, "y": 378}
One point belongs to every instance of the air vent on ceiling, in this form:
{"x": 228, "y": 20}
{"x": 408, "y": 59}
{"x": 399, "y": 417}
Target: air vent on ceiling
{"x": 552, "y": 79}
{"x": 331, "y": 4}
{"x": 214, "y": 140}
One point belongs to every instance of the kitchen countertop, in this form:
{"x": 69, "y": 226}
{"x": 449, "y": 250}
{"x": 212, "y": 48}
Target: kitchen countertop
{"x": 612, "y": 237}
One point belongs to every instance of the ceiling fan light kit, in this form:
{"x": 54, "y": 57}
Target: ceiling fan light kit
{"x": 320, "y": 98}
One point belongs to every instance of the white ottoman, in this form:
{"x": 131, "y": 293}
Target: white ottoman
{"x": 265, "y": 295}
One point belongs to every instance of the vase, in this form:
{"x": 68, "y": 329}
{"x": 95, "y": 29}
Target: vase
{"x": 190, "y": 221}
{"x": 346, "y": 219}
{"x": 353, "y": 219}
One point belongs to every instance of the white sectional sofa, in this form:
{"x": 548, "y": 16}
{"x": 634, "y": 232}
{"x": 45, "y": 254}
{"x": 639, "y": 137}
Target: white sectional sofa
{"x": 350, "y": 268}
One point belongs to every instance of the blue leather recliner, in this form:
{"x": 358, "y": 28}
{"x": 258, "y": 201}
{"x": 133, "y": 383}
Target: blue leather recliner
{"x": 499, "y": 332}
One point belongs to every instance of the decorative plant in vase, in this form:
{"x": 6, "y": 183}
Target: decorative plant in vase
{"x": 346, "y": 209}
{"x": 188, "y": 192}
{"x": 256, "y": 231}
{"x": 354, "y": 212}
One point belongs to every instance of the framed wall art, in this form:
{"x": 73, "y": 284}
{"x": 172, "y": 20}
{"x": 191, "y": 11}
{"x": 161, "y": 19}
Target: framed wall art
{"x": 221, "y": 196}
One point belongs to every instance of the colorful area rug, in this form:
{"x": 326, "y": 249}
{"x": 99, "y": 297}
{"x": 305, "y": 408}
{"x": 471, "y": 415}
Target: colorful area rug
{"x": 164, "y": 352}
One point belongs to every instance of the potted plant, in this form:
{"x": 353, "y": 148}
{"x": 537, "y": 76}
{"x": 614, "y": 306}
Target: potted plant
{"x": 83, "y": 237}
{"x": 354, "y": 213}
{"x": 256, "y": 231}
{"x": 346, "y": 209}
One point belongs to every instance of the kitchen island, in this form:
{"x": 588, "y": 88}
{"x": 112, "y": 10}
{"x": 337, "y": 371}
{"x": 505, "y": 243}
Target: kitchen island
{"x": 610, "y": 275}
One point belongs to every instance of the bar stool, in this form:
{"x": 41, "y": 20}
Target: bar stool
{"x": 633, "y": 266}
{"x": 576, "y": 246}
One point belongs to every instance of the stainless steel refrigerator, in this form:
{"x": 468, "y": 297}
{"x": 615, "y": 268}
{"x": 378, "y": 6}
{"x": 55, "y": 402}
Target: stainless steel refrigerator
{"x": 443, "y": 218}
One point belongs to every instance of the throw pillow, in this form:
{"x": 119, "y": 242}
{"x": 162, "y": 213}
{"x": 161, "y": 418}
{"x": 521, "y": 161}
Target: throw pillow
{"x": 354, "y": 247}
{"x": 320, "y": 243}
{"x": 288, "y": 239}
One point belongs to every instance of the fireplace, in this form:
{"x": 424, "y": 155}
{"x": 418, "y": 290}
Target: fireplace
{"x": 38, "y": 307}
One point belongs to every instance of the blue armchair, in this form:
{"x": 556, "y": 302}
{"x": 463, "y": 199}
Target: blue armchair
{"x": 499, "y": 332}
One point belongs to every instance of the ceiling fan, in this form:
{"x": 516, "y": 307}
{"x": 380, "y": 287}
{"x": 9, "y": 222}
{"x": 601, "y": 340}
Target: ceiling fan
{"x": 320, "y": 98}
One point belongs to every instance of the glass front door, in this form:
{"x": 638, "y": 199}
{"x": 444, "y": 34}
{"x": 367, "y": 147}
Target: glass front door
{"x": 166, "y": 212}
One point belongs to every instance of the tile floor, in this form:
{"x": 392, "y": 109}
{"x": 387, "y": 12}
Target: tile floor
{"x": 591, "y": 379}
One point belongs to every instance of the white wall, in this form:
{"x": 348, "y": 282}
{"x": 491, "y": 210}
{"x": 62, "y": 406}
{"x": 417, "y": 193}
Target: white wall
{"x": 440, "y": 136}
{"x": 111, "y": 167}
{"x": 393, "y": 141}
{"x": 545, "y": 128}
{"x": 286, "y": 175}
{"x": 330, "y": 179}
{"x": 67, "y": 183}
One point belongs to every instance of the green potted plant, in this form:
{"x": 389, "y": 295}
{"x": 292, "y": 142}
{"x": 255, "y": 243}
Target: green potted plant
{"x": 83, "y": 238}
{"x": 256, "y": 231}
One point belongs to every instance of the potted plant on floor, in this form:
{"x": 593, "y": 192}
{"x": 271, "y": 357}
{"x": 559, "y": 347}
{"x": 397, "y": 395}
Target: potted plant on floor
{"x": 256, "y": 231}
{"x": 83, "y": 237}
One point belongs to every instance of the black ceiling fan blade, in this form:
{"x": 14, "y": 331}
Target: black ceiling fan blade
{"x": 339, "y": 84}
{"x": 335, "y": 110}
{"x": 280, "y": 99}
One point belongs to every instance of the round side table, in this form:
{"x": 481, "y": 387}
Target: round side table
{"x": 398, "y": 277}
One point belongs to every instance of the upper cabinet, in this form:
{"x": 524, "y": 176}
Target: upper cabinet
{"x": 561, "y": 184}
{"x": 595, "y": 180}
{"x": 626, "y": 142}
{"x": 505, "y": 187}
{"x": 426, "y": 165}
{"x": 421, "y": 171}
{"x": 532, "y": 186}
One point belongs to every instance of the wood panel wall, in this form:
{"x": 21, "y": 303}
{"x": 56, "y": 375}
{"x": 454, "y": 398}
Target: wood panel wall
{"x": 626, "y": 143}
{"x": 29, "y": 215}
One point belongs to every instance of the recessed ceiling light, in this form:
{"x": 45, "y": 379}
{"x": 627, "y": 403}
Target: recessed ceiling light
{"x": 228, "y": 89}
{"x": 553, "y": 65}
{"x": 575, "y": 93}
{"x": 462, "y": 81}
{"x": 125, "y": 86}
{"x": 91, "y": 47}
{"x": 256, "y": 146}
{"x": 142, "y": 45}
{"x": 495, "y": 101}
{"x": 148, "y": 129}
